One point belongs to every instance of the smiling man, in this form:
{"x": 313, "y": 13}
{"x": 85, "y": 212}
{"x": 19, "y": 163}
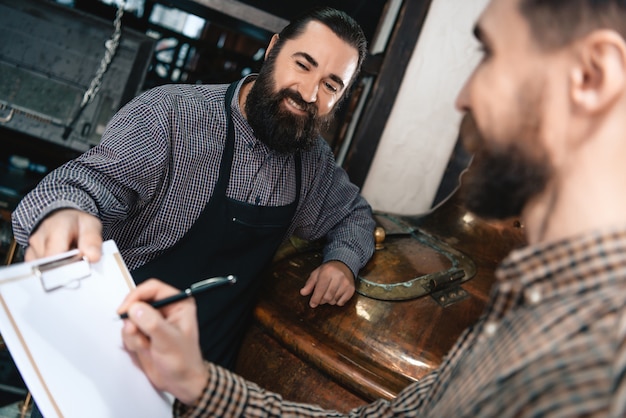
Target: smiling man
{"x": 296, "y": 93}
{"x": 195, "y": 181}
{"x": 545, "y": 118}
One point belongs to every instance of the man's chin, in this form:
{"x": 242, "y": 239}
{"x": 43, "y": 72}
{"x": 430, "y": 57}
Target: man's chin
{"x": 492, "y": 200}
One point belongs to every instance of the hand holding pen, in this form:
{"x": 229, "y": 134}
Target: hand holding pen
{"x": 192, "y": 290}
{"x": 164, "y": 343}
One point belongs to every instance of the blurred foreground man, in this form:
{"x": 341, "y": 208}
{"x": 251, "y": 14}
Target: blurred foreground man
{"x": 546, "y": 121}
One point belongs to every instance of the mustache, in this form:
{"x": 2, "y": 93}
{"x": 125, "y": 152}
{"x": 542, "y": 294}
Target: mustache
{"x": 309, "y": 108}
{"x": 470, "y": 134}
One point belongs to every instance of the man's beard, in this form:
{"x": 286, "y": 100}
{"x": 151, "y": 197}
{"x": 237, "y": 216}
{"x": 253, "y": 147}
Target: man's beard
{"x": 501, "y": 180}
{"x": 281, "y": 130}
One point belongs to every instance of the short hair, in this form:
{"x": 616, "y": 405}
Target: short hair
{"x": 556, "y": 23}
{"x": 342, "y": 25}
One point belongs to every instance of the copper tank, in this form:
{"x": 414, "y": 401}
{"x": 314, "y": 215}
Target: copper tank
{"x": 428, "y": 280}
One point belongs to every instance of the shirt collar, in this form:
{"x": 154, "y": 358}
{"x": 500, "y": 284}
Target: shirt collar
{"x": 241, "y": 123}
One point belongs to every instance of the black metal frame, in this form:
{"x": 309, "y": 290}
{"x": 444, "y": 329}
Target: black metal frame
{"x": 393, "y": 67}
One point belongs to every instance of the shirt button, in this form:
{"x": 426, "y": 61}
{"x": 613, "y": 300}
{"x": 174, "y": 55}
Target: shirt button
{"x": 491, "y": 328}
{"x": 534, "y": 296}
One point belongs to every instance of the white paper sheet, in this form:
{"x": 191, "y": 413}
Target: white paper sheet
{"x": 67, "y": 342}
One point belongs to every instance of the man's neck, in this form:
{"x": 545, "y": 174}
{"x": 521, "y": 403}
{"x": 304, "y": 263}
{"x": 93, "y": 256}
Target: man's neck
{"x": 243, "y": 95}
{"x": 586, "y": 193}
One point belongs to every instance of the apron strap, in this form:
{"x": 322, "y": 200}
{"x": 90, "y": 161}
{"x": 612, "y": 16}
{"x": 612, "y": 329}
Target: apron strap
{"x": 229, "y": 146}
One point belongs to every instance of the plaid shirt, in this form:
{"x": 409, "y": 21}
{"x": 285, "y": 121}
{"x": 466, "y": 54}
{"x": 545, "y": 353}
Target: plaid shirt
{"x": 158, "y": 162}
{"x": 552, "y": 343}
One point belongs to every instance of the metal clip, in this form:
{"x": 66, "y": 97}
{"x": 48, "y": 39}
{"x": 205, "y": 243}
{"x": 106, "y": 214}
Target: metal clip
{"x": 7, "y": 118}
{"x": 62, "y": 272}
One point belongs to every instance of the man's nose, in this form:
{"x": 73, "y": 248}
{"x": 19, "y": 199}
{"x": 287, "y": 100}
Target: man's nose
{"x": 308, "y": 91}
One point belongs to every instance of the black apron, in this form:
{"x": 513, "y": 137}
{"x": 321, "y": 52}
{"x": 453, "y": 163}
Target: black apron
{"x": 229, "y": 237}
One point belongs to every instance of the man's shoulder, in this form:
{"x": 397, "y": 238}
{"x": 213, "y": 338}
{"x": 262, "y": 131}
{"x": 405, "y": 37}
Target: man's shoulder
{"x": 175, "y": 92}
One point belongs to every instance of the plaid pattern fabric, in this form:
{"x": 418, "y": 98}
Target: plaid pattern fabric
{"x": 158, "y": 162}
{"x": 552, "y": 343}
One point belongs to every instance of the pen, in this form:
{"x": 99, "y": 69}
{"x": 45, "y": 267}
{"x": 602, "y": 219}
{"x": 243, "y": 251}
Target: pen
{"x": 192, "y": 290}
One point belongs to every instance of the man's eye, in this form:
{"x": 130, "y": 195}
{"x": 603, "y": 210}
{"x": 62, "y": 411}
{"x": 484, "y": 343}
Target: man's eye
{"x": 301, "y": 65}
{"x": 330, "y": 87}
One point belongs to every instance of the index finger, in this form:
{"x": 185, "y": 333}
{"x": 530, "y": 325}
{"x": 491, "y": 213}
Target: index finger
{"x": 318, "y": 293}
{"x": 151, "y": 289}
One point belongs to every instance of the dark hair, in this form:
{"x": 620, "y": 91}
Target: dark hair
{"x": 342, "y": 25}
{"x": 555, "y": 23}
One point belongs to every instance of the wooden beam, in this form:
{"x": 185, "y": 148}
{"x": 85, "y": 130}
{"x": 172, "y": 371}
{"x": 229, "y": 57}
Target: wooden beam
{"x": 374, "y": 117}
{"x": 249, "y": 14}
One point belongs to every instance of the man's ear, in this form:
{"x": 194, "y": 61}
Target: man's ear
{"x": 271, "y": 45}
{"x": 599, "y": 74}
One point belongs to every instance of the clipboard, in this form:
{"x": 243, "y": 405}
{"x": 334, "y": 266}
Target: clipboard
{"x": 58, "y": 319}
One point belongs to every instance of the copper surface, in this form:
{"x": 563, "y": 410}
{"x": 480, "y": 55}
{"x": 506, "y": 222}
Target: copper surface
{"x": 339, "y": 357}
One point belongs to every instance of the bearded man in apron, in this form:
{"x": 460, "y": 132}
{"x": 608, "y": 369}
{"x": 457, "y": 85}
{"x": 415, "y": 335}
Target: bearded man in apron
{"x": 195, "y": 181}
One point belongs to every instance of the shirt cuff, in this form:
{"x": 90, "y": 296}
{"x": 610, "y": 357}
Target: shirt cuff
{"x": 224, "y": 395}
{"x": 349, "y": 258}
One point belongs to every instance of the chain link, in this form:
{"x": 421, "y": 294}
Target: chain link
{"x": 110, "y": 46}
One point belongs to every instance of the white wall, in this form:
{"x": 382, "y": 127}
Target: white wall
{"x": 423, "y": 126}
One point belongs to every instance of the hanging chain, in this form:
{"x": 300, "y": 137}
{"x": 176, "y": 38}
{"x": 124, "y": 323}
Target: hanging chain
{"x": 110, "y": 49}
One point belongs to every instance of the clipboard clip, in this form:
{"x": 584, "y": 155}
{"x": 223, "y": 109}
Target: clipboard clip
{"x": 63, "y": 272}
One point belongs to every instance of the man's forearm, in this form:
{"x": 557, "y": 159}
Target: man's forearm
{"x": 229, "y": 395}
